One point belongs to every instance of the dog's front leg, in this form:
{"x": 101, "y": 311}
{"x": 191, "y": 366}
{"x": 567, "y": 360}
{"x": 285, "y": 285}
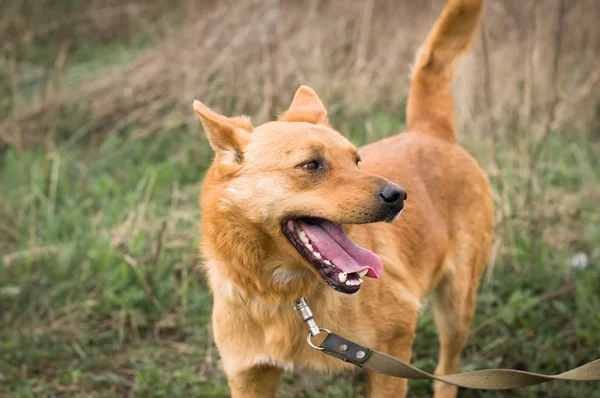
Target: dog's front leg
{"x": 400, "y": 346}
{"x": 257, "y": 381}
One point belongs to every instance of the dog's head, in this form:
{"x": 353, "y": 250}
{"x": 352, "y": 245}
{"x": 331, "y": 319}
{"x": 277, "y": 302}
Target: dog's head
{"x": 296, "y": 181}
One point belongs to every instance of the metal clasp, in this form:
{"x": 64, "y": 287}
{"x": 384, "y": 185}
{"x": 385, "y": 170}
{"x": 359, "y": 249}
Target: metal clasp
{"x": 310, "y": 343}
{"x": 306, "y": 314}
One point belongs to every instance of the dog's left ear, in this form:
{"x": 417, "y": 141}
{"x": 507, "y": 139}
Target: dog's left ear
{"x": 227, "y": 136}
{"x": 306, "y": 107}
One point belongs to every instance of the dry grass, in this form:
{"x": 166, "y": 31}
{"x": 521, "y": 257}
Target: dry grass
{"x": 535, "y": 64}
{"x": 535, "y": 68}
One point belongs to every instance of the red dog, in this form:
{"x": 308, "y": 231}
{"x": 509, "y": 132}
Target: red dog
{"x": 288, "y": 211}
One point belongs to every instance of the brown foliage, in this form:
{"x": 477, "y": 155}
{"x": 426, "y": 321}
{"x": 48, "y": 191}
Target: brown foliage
{"x": 534, "y": 62}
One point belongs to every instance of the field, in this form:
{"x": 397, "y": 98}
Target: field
{"x": 101, "y": 159}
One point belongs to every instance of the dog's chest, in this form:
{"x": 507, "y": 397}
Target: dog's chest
{"x": 266, "y": 334}
{"x": 285, "y": 346}
{"x": 288, "y": 366}
{"x": 292, "y": 356}
{"x": 282, "y": 342}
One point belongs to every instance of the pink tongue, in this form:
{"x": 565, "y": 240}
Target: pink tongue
{"x": 333, "y": 244}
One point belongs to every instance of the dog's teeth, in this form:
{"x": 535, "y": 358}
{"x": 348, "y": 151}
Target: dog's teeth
{"x": 342, "y": 277}
{"x": 309, "y": 246}
{"x": 363, "y": 272}
{"x": 302, "y": 236}
{"x": 317, "y": 255}
{"x": 327, "y": 262}
{"x": 360, "y": 281}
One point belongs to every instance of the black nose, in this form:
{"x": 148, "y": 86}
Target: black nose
{"x": 393, "y": 195}
{"x": 391, "y": 199}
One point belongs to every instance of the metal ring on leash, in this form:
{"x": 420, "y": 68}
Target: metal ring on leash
{"x": 310, "y": 343}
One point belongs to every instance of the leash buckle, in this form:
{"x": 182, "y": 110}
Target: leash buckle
{"x": 310, "y": 343}
{"x": 306, "y": 314}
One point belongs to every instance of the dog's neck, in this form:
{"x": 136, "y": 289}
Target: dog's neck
{"x": 249, "y": 259}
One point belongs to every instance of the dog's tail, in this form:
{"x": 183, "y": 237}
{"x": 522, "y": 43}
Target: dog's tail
{"x": 430, "y": 107}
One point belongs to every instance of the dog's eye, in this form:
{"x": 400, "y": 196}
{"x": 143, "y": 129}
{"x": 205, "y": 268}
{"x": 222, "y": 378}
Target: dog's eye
{"x": 312, "y": 165}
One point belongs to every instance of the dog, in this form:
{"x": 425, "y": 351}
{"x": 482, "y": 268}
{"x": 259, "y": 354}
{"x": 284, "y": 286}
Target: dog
{"x": 292, "y": 209}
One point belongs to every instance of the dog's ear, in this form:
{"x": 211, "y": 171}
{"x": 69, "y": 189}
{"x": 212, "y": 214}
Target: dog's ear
{"x": 227, "y": 136}
{"x": 306, "y": 107}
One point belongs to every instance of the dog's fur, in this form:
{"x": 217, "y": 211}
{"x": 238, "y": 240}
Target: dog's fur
{"x": 441, "y": 242}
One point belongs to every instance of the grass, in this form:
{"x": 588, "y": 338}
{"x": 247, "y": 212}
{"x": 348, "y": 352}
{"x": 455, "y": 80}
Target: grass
{"x": 100, "y": 296}
{"x": 100, "y": 293}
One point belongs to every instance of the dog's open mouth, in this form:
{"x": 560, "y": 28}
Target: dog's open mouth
{"x": 341, "y": 262}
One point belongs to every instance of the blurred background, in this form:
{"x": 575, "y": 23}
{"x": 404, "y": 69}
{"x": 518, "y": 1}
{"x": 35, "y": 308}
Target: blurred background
{"x": 101, "y": 158}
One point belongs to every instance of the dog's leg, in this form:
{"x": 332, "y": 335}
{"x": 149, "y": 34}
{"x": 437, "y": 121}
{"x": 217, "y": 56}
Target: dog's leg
{"x": 256, "y": 382}
{"x": 379, "y": 386}
{"x": 453, "y": 312}
{"x": 454, "y": 305}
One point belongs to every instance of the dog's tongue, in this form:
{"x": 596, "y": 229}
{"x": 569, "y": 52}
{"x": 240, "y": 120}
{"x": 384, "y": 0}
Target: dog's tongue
{"x": 333, "y": 243}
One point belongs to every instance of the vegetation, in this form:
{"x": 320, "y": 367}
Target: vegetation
{"x": 100, "y": 292}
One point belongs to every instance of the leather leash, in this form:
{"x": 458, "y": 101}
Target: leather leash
{"x": 489, "y": 379}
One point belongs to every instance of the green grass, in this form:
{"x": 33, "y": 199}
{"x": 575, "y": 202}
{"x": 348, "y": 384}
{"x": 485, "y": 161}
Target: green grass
{"x": 100, "y": 293}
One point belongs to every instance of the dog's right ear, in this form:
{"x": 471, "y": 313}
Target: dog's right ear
{"x": 227, "y": 136}
{"x": 306, "y": 107}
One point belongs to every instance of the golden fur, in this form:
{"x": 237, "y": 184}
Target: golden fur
{"x": 441, "y": 241}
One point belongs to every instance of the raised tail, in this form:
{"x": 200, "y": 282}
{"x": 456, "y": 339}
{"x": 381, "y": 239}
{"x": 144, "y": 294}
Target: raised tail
{"x": 430, "y": 107}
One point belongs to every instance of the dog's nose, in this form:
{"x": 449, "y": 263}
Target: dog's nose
{"x": 390, "y": 199}
{"x": 393, "y": 195}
